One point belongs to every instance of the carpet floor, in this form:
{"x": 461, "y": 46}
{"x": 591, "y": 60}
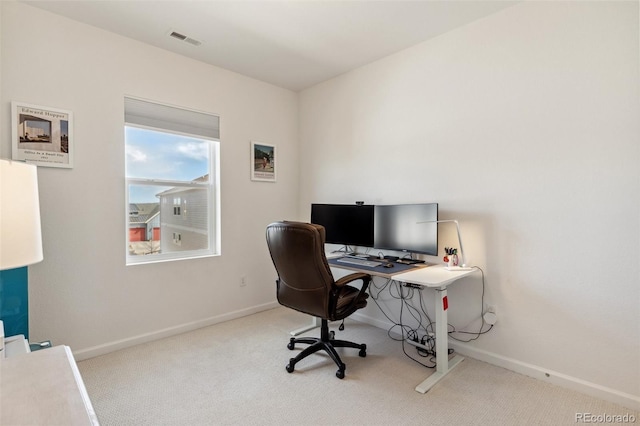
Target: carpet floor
{"x": 233, "y": 373}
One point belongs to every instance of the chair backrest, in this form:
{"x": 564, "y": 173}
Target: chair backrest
{"x": 304, "y": 281}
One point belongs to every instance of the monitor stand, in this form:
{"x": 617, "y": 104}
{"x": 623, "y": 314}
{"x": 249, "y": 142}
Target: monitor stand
{"x": 358, "y": 255}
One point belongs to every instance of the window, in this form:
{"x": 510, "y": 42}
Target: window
{"x": 172, "y": 160}
{"x": 176, "y": 206}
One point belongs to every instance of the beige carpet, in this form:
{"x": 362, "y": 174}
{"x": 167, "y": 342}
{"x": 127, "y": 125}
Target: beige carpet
{"x": 233, "y": 374}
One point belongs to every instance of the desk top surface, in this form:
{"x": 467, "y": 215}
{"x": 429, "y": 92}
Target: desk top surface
{"x": 432, "y": 276}
{"x": 426, "y": 275}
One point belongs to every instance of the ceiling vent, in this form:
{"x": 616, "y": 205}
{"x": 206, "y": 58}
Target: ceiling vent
{"x": 184, "y": 38}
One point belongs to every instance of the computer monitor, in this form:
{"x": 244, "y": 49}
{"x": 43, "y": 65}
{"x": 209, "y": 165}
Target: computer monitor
{"x": 347, "y": 224}
{"x": 396, "y": 228}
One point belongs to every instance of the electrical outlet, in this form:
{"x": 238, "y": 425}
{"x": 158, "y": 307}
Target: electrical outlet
{"x": 490, "y": 315}
{"x": 243, "y": 281}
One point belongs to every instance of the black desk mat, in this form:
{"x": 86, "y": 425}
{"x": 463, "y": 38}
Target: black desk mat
{"x": 396, "y": 269}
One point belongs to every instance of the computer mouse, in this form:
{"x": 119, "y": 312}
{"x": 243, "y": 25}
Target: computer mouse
{"x": 388, "y": 265}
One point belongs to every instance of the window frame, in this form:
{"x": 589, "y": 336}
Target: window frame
{"x": 212, "y": 186}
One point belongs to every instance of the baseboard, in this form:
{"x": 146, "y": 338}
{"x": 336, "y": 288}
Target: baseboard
{"x": 550, "y": 376}
{"x": 167, "y": 332}
{"x": 531, "y": 370}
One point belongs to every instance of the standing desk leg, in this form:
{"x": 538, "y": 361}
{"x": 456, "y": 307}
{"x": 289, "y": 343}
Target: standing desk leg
{"x": 443, "y": 364}
{"x": 315, "y": 323}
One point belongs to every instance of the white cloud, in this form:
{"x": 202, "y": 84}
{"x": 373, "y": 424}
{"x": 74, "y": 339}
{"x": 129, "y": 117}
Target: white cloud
{"x": 135, "y": 154}
{"x": 194, "y": 150}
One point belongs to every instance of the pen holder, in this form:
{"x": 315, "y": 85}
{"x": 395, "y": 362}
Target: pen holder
{"x": 451, "y": 256}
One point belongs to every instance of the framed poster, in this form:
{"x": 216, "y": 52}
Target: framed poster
{"x": 41, "y": 135}
{"x": 263, "y": 162}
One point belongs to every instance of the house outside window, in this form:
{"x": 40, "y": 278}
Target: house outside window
{"x": 172, "y": 160}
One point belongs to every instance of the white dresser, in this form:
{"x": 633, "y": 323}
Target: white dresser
{"x": 43, "y": 388}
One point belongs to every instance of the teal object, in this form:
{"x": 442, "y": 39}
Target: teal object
{"x": 14, "y": 301}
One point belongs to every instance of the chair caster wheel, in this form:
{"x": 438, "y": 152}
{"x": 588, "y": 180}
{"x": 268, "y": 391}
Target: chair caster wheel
{"x": 332, "y": 335}
{"x": 289, "y": 367}
{"x": 363, "y": 351}
{"x": 340, "y": 374}
{"x": 291, "y": 345}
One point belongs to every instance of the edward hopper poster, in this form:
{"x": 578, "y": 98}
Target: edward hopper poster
{"x": 42, "y": 135}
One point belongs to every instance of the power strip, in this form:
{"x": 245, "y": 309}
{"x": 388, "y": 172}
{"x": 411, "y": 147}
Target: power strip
{"x": 411, "y": 285}
{"x": 418, "y": 345}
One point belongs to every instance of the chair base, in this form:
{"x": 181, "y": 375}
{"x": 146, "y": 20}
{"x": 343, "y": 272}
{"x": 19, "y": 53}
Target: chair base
{"x": 327, "y": 343}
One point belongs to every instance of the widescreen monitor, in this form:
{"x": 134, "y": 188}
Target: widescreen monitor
{"x": 347, "y": 224}
{"x": 396, "y": 228}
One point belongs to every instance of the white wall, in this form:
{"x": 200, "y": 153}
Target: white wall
{"x": 82, "y": 294}
{"x": 524, "y": 126}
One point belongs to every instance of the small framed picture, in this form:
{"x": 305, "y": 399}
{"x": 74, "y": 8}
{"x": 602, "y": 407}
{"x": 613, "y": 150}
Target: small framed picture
{"x": 41, "y": 135}
{"x": 263, "y": 162}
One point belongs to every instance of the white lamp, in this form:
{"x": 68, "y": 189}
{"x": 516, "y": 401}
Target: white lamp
{"x": 20, "y": 232}
{"x": 464, "y": 266}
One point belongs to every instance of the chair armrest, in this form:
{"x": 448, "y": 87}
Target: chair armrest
{"x": 353, "y": 277}
{"x": 366, "y": 279}
{"x": 354, "y": 299}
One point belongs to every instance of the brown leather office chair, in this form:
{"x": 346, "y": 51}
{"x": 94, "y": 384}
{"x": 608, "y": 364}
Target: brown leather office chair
{"x": 305, "y": 283}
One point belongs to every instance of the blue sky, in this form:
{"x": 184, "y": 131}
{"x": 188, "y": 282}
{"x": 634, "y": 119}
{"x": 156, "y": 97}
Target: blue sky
{"x": 157, "y": 155}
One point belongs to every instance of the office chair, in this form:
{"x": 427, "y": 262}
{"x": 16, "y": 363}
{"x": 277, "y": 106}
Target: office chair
{"x": 305, "y": 283}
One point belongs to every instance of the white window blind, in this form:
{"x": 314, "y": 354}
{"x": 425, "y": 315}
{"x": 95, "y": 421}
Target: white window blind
{"x": 179, "y": 120}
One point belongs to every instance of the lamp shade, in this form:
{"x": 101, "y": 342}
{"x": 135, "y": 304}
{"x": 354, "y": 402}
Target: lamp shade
{"x": 20, "y": 232}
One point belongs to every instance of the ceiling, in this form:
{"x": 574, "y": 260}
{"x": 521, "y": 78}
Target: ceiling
{"x": 294, "y": 44}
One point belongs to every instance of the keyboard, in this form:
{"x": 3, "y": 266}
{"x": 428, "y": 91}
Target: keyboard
{"x": 359, "y": 262}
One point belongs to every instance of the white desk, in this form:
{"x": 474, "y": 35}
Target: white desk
{"x": 439, "y": 278}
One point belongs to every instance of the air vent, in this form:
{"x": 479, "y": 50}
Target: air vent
{"x": 178, "y": 35}
{"x": 184, "y": 38}
{"x": 192, "y": 41}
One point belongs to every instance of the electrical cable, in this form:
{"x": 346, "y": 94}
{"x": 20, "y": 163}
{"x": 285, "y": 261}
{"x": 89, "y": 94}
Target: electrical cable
{"x": 476, "y": 333}
{"x": 375, "y": 299}
{"x": 424, "y": 332}
{"x": 404, "y": 348}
